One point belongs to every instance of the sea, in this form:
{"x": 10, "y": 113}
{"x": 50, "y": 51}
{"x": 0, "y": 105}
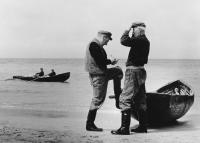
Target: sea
{"x": 75, "y": 94}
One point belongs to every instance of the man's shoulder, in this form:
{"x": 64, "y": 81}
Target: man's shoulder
{"x": 93, "y": 45}
{"x": 140, "y": 38}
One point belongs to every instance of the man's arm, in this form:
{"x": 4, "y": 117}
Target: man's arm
{"x": 96, "y": 53}
{"x": 125, "y": 39}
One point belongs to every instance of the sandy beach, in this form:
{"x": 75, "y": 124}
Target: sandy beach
{"x": 19, "y": 126}
{"x": 56, "y": 112}
{"x": 57, "y": 34}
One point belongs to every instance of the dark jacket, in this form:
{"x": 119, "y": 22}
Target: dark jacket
{"x": 96, "y": 58}
{"x": 139, "y": 52}
{"x": 40, "y": 73}
{"x": 99, "y": 56}
{"x": 52, "y": 74}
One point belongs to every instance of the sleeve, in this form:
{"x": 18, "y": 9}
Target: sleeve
{"x": 96, "y": 53}
{"x": 125, "y": 39}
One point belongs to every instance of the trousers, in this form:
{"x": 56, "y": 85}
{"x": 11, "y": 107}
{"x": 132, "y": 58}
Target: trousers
{"x": 133, "y": 95}
{"x": 100, "y": 83}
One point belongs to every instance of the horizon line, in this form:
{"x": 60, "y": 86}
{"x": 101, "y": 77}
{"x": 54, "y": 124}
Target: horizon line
{"x": 119, "y": 58}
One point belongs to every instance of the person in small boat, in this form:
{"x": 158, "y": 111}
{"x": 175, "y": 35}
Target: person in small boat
{"x": 133, "y": 95}
{"x": 96, "y": 62}
{"x": 52, "y": 73}
{"x": 39, "y": 74}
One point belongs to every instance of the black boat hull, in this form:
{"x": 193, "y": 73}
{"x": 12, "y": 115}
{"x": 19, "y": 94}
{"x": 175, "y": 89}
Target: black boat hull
{"x": 164, "y": 106}
{"x": 57, "y": 78}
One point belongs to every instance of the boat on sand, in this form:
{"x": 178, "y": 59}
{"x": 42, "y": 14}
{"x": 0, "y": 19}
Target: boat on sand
{"x": 168, "y": 103}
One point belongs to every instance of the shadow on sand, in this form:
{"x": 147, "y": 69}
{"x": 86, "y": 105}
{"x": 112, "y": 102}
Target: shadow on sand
{"x": 171, "y": 126}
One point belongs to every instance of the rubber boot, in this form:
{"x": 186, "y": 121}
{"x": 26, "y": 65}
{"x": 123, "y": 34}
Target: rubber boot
{"x": 90, "y": 126}
{"x": 117, "y": 91}
{"x": 125, "y": 124}
{"x": 117, "y": 100}
{"x": 142, "y": 128}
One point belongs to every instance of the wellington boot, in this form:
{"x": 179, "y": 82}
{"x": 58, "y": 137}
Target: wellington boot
{"x": 139, "y": 129}
{"x": 93, "y": 127}
{"x": 142, "y": 128}
{"x": 121, "y": 131}
{"x": 125, "y": 124}
{"x": 117, "y": 103}
{"x": 90, "y": 126}
{"x": 117, "y": 95}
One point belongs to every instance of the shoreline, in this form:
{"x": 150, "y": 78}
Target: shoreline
{"x": 52, "y": 127}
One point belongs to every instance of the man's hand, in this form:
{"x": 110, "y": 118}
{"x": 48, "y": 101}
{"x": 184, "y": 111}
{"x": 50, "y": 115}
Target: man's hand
{"x": 135, "y": 24}
{"x": 114, "y": 61}
{"x": 130, "y": 28}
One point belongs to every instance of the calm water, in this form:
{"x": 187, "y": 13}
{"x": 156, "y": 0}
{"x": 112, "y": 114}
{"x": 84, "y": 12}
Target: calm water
{"x": 76, "y": 93}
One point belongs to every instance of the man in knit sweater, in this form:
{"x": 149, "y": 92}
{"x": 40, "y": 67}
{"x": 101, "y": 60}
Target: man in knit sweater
{"x": 133, "y": 95}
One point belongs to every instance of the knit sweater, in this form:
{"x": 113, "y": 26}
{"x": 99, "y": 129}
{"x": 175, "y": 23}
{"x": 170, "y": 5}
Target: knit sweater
{"x": 139, "y": 51}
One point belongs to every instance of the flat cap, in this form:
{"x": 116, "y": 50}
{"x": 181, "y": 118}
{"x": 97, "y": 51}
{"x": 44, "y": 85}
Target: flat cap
{"x": 107, "y": 33}
{"x": 136, "y": 24}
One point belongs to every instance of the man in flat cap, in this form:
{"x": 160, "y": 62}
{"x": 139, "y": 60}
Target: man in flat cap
{"x": 133, "y": 95}
{"x": 96, "y": 65}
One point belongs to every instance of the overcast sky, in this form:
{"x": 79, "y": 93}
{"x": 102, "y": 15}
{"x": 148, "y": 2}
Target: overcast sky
{"x": 63, "y": 28}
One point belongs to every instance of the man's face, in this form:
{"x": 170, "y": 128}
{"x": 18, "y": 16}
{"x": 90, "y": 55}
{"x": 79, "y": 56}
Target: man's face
{"x": 136, "y": 31}
{"x": 105, "y": 40}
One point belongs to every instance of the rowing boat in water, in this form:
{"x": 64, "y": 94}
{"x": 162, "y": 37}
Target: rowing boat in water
{"x": 168, "y": 103}
{"x": 57, "y": 78}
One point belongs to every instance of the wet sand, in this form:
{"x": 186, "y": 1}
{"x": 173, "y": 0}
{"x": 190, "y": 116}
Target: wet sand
{"x": 17, "y": 126}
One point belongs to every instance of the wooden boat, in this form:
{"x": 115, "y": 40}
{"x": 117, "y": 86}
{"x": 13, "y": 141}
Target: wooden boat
{"x": 57, "y": 78}
{"x": 168, "y": 103}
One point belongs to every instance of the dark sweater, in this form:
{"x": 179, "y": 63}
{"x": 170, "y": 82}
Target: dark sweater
{"x": 40, "y": 73}
{"x": 52, "y": 74}
{"x": 99, "y": 55}
{"x": 138, "y": 54}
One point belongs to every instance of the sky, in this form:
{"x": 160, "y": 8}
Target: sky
{"x": 63, "y": 28}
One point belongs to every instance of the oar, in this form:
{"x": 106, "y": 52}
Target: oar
{"x": 8, "y": 79}
{"x": 38, "y": 77}
{"x": 34, "y": 79}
